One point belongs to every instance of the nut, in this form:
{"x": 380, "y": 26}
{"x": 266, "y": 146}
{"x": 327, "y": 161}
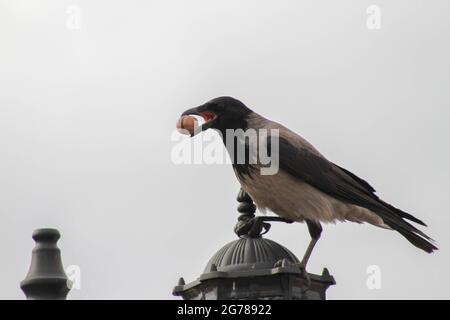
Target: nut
{"x": 187, "y": 124}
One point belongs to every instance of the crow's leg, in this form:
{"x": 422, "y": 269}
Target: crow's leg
{"x": 315, "y": 230}
{"x": 278, "y": 219}
{"x": 254, "y": 226}
{"x": 259, "y": 223}
{"x": 248, "y": 224}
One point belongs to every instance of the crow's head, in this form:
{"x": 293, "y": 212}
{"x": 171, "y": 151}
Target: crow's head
{"x": 221, "y": 114}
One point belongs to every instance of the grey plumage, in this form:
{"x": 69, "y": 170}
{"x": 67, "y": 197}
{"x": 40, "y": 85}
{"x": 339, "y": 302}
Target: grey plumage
{"x": 292, "y": 198}
{"x": 307, "y": 186}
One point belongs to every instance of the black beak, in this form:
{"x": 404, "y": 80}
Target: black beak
{"x": 193, "y": 111}
{"x": 200, "y": 111}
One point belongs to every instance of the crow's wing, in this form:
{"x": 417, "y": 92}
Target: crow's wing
{"x": 346, "y": 187}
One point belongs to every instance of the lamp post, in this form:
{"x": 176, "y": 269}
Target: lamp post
{"x": 254, "y": 267}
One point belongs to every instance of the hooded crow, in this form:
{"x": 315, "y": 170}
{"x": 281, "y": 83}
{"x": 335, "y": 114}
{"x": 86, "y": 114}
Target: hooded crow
{"x": 307, "y": 187}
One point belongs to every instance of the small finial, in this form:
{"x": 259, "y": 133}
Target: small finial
{"x": 247, "y": 210}
{"x": 46, "y": 278}
{"x": 247, "y": 224}
{"x": 181, "y": 281}
{"x": 246, "y": 205}
{"x": 243, "y": 196}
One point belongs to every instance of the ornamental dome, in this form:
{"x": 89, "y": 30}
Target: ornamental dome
{"x": 249, "y": 253}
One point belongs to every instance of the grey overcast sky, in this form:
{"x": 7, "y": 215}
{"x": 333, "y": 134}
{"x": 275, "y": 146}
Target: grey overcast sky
{"x": 90, "y": 92}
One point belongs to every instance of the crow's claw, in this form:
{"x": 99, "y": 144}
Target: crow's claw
{"x": 304, "y": 274}
{"x": 253, "y": 227}
{"x": 258, "y": 225}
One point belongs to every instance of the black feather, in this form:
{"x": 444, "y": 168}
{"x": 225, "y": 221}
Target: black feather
{"x": 347, "y": 187}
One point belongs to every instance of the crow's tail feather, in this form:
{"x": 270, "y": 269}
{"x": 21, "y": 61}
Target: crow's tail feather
{"x": 411, "y": 233}
{"x": 401, "y": 213}
{"x": 418, "y": 241}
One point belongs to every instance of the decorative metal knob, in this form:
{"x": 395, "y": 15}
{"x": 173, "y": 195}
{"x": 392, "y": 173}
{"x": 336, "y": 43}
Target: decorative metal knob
{"x": 46, "y": 279}
{"x": 247, "y": 224}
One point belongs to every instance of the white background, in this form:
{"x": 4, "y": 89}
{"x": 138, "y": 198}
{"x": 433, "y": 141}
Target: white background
{"x": 86, "y": 118}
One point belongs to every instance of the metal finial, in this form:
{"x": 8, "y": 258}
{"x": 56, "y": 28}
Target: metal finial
{"x": 247, "y": 209}
{"x": 46, "y": 278}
